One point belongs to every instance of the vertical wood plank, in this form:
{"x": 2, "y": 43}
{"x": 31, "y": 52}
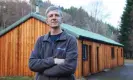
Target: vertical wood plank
{"x": 22, "y": 50}
{"x": 19, "y": 46}
{"x": 0, "y": 54}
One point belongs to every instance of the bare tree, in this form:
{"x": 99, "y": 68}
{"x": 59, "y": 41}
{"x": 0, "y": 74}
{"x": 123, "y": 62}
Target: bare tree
{"x": 97, "y": 11}
{"x": 33, "y": 5}
{"x": 11, "y": 11}
{"x": 67, "y": 18}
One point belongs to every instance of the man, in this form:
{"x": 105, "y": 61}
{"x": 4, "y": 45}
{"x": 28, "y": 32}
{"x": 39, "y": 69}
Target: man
{"x": 55, "y": 54}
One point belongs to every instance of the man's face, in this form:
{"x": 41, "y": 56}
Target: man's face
{"x": 54, "y": 19}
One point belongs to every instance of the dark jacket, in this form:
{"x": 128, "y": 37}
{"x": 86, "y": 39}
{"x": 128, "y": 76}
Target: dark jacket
{"x": 42, "y": 58}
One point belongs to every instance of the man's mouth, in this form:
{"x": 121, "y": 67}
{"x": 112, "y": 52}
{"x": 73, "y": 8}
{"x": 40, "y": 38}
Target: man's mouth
{"x": 54, "y": 22}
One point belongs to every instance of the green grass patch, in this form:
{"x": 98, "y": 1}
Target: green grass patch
{"x": 130, "y": 61}
{"x": 16, "y": 78}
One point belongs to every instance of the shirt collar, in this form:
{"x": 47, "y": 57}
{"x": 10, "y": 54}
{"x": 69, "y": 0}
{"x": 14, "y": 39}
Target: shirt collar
{"x": 63, "y": 36}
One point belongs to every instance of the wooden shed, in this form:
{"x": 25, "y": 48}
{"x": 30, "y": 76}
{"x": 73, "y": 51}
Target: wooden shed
{"x": 95, "y": 52}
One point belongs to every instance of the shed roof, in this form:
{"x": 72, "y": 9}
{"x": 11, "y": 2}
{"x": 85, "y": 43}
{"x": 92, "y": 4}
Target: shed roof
{"x": 72, "y": 29}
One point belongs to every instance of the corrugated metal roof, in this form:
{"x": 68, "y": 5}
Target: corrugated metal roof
{"x": 84, "y": 33}
{"x": 72, "y": 29}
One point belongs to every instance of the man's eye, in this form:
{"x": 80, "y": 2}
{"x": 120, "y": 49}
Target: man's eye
{"x": 50, "y": 15}
{"x": 57, "y": 15}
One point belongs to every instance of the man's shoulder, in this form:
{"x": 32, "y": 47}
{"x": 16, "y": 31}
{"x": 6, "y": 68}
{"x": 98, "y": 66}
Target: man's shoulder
{"x": 43, "y": 37}
{"x": 70, "y": 36}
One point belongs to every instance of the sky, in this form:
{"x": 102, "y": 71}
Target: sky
{"x": 113, "y": 7}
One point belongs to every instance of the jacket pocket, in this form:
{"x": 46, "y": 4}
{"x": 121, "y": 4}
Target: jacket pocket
{"x": 60, "y": 53}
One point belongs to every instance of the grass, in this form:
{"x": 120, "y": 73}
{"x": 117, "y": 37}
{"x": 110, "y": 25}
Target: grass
{"x": 16, "y": 78}
{"x": 128, "y": 61}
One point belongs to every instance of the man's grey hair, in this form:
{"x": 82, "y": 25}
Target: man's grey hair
{"x": 52, "y": 8}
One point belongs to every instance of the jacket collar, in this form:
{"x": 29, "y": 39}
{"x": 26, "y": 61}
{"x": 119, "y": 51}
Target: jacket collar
{"x": 62, "y": 37}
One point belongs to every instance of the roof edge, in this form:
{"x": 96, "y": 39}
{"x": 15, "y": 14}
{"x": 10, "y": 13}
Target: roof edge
{"x": 43, "y": 18}
{"x": 20, "y": 21}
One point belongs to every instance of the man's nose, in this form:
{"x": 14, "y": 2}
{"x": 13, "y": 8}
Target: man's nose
{"x": 54, "y": 17}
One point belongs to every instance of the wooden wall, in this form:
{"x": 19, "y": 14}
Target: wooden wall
{"x": 78, "y": 72}
{"x": 86, "y": 64}
{"x": 16, "y": 46}
{"x": 98, "y": 61}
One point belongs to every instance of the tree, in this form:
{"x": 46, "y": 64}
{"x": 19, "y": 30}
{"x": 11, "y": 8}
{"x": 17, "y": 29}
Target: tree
{"x": 80, "y": 18}
{"x": 33, "y": 5}
{"x": 126, "y": 29}
{"x": 11, "y": 11}
{"x": 97, "y": 10}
